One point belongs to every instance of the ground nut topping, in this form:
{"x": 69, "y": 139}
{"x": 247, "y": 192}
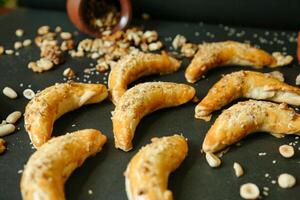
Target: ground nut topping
{"x": 286, "y": 180}
{"x": 155, "y": 46}
{"x": 27, "y": 42}
{"x": 28, "y": 93}
{"x": 13, "y": 117}
{"x": 18, "y": 45}
{"x": 1, "y": 50}
{"x": 69, "y": 73}
{"x": 6, "y": 129}
{"x": 286, "y": 151}
{"x": 249, "y": 191}
{"x": 9, "y": 51}
{"x": 213, "y": 160}
{"x": 43, "y": 30}
{"x": 66, "y": 35}
{"x": 10, "y": 93}
{"x": 19, "y": 32}
{"x": 189, "y": 49}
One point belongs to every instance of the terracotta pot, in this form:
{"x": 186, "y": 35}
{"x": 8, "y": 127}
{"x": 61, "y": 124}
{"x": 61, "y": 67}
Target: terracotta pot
{"x": 75, "y": 9}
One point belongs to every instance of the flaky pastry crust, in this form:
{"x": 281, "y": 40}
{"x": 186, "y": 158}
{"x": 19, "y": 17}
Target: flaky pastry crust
{"x": 141, "y": 100}
{"x": 248, "y": 117}
{"x": 53, "y": 102}
{"x": 246, "y": 84}
{"x": 50, "y": 166}
{"x": 146, "y": 176}
{"x": 211, "y": 55}
{"x": 132, "y": 67}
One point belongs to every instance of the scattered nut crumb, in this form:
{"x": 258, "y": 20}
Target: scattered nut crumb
{"x": 249, "y": 191}
{"x": 9, "y": 51}
{"x": 19, "y": 32}
{"x": 69, "y": 73}
{"x": 10, "y": 93}
{"x": 66, "y": 35}
{"x": 155, "y": 46}
{"x": 27, "y": 42}
{"x": 179, "y": 41}
{"x": 18, "y": 45}
{"x": 90, "y": 192}
{"x": 286, "y": 180}
{"x": 58, "y": 29}
{"x": 212, "y": 160}
{"x": 286, "y": 151}
{"x": 43, "y": 30}
{"x": 238, "y": 169}
{"x": 189, "y": 49}
{"x": 28, "y": 93}
{"x": 1, "y": 50}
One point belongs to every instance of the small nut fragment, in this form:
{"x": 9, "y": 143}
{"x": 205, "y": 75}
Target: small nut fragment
{"x": 2, "y": 145}
{"x": 58, "y": 29}
{"x": 27, "y": 42}
{"x": 43, "y": 30}
{"x": 19, "y": 32}
{"x": 286, "y": 180}
{"x": 249, "y": 191}
{"x": 18, "y": 45}
{"x": 238, "y": 169}
{"x": 1, "y": 50}
{"x": 282, "y": 59}
{"x": 69, "y": 73}
{"x": 10, "y": 93}
{"x": 297, "y": 78}
{"x": 6, "y": 129}
{"x": 28, "y": 93}
{"x": 189, "y": 49}
{"x": 286, "y": 151}
{"x": 45, "y": 64}
{"x": 9, "y": 51}
{"x": 178, "y": 41}
{"x": 155, "y": 46}
{"x": 213, "y": 160}
{"x": 65, "y": 35}
{"x": 13, "y": 117}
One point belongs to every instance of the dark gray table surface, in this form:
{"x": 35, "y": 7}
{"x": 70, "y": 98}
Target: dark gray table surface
{"x": 103, "y": 173}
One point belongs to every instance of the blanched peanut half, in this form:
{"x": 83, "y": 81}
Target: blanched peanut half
{"x": 286, "y": 151}
{"x": 212, "y": 160}
{"x": 286, "y": 180}
{"x": 238, "y": 169}
{"x": 6, "y": 129}
{"x": 13, "y": 117}
{"x": 10, "y": 93}
{"x": 249, "y": 191}
{"x": 2, "y": 145}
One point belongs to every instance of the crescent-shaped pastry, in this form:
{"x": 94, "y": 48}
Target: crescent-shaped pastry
{"x": 211, "y": 55}
{"x": 53, "y": 102}
{"x": 146, "y": 176}
{"x": 247, "y": 84}
{"x": 248, "y": 117}
{"x": 141, "y": 100}
{"x": 50, "y": 166}
{"x": 132, "y": 67}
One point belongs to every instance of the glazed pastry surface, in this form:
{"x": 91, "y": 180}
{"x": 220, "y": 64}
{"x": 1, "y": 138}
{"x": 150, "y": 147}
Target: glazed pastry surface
{"x": 146, "y": 176}
{"x": 51, "y": 103}
{"x": 141, "y": 100}
{"x": 132, "y": 67}
{"x": 211, "y": 55}
{"x": 248, "y": 117}
{"x": 50, "y": 166}
{"x": 246, "y": 84}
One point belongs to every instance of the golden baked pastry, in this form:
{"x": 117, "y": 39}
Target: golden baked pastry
{"x": 132, "y": 67}
{"x": 146, "y": 176}
{"x": 247, "y": 84}
{"x": 248, "y": 117}
{"x": 50, "y": 166}
{"x": 143, "y": 99}
{"x": 211, "y": 55}
{"x": 53, "y": 102}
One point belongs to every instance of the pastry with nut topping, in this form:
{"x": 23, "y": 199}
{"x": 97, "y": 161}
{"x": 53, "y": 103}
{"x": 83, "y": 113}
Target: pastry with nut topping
{"x": 212, "y": 55}
{"x": 141, "y": 100}
{"x": 51, "y": 103}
